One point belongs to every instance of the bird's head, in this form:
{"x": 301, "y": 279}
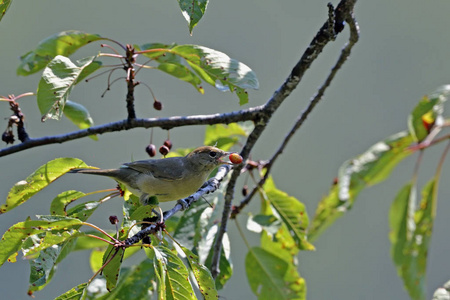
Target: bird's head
{"x": 207, "y": 157}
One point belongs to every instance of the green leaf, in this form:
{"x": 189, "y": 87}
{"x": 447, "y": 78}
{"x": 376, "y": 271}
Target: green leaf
{"x": 271, "y": 277}
{"x": 58, "y": 79}
{"x": 427, "y": 113}
{"x": 159, "y": 265}
{"x": 365, "y": 170}
{"x": 291, "y": 211}
{"x": 64, "y": 43}
{"x": 38, "y": 180}
{"x": 88, "y": 70}
{"x": 183, "y": 73}
{"x": 39, "y": 242}
{"x": 419, "y": 121}
{"x": 79, "y": 115}
{"x": 75, "y": 293}
{"x": 159, "y": 52}
{"x": 86, "y": 242}
{"x": 14, "y": 237}
{"x": 258, "y": 223}
{"x": 414, "y": 244}
{"x": 43, "y": 268}
{"x": 203, "y": 276}
{"x": 219, "y": 70}
{"x": 84, "y": 210}
{"x": 177, "y": 285}
{"x": 188, "y": 225}
{"x": 224, "y": 136}
{"x": 135, "y": 282}
{"x": 399, "y": 218}
{"x": 60, "y": 202}
{"x": 4, "y": 5}
{"x": 193, "y": 11}
{"x": 113, "y": 258}
{"x": 225, "y": 264}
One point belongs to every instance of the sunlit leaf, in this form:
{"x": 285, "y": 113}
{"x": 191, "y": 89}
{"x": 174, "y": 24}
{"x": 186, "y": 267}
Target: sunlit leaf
{"x": 365, "y": 170}
{"x": 75, "y": 293}
{"x": 214, "y": 67}
{"x": 58, "y": 80}
{"x": 193, "y": 11}
{"x": 177, "y": 276}
{"x": 225, "y": 264}
{"x": 411, "y": 248}
{"x": 400, "y": 219}
{"x": 60, "y": 202}
{"x": 14, "y": 237}
{"x": 43, "y": 267}
{"x": 39, "y": 179}
{"x": 224, "y": 136}
{"x": 271, "y": 277}
{"x": 64, "y": 43}
{"x": 423, "y": 117}
{"x": 135, "y": 282}
{"x": 202, "y": 275}
{"x": 292, "y": 212}
{"x": 183, "y": 73}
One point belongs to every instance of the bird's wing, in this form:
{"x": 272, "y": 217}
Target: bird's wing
{"x": 164, "y": 169}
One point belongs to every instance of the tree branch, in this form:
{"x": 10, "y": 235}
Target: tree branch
{"x": 354, "y": 36}
{"x": 252, "y": 113}
{"x": 344, "y": 11}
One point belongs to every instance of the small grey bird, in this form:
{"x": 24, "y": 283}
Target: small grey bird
{"x": 168, "y": 179}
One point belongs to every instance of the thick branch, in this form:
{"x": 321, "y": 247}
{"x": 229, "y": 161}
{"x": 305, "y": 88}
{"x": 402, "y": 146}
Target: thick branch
{"x": 344, "y": 11}
{"x": 165, "y": 123}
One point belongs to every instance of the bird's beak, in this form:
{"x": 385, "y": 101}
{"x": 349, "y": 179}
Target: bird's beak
{"x": 225, "y": 155}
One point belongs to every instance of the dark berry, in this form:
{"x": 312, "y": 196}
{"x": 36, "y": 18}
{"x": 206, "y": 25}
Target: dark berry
{"x": 164, "y": 150}
{"x": 157, "y": 105}
{"x": 168, "y": 144}
{"x": 151, "y": 150}
{"x": 113, "y": 219}
{"x": 8, "y": 137}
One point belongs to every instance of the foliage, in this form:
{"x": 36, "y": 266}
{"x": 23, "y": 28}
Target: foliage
{"x": 181, "y": 254}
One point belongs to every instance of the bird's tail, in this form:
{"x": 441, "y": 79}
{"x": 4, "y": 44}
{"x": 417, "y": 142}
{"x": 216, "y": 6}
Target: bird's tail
{"x": 107, "y": 172}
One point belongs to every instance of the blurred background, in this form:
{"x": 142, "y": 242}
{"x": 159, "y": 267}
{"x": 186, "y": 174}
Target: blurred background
{"x": 402, "y": 55}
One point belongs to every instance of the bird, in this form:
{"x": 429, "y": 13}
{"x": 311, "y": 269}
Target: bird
{"x": 167, "y": 179}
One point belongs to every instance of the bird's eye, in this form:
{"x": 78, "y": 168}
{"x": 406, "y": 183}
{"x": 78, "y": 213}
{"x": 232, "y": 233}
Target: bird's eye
{"x": 212, "y": 154}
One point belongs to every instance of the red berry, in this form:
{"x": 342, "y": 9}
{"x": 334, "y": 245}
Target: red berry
{"x": 168, "y": 144}
{"x": 151, "y": 150}
{"x": 157, "y": 105}
{"x": 235, "y": 158}
{"x": 164, "y": 150}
